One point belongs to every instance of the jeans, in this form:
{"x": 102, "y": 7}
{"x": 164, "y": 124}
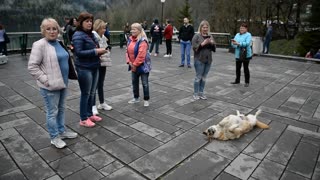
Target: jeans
{"x": 102, "y": 75}
{"x": 155, "y": 41}
{"x": 202, "y": 70}
{"x": 266, "y": 44}
{"x": 245, "y": 69}
{"x": 169, "y": 46}
{"x": 88, "y": 79}
{"x": 145, "y": 84}
{"x": 54, "y": 102}
{"x": 185, "y": 47}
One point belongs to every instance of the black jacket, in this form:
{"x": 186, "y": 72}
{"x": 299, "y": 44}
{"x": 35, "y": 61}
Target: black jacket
{"x": 186, "y": 33}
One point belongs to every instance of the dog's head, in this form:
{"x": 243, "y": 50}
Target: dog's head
{"x": 210, "y": 132}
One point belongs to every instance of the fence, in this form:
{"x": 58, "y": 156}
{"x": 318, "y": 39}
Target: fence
{"x": 22, "y": 41}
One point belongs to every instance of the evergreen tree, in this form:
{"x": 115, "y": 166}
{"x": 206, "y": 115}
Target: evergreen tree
{"x": 185, "y": 12}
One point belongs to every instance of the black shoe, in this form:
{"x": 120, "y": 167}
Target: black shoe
{"x": 246, "y": 85}
{"x": 235, "y": 82}
{"x": 181, "y": 65}
{"x": 189, "y": 66}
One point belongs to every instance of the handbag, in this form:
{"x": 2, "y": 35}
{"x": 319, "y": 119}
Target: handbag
{"x": 72, "y": 73}
{"x": 243, "y": 54}
{"x": 6, "y": 38}
{"x": 145, "y": 67}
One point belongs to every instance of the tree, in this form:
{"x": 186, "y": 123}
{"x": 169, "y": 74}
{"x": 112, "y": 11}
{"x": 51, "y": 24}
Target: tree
{"x": 185, "y": 12}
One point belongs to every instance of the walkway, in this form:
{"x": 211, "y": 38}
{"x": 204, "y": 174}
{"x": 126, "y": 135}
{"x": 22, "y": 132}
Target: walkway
{"x": 165, "y": 140}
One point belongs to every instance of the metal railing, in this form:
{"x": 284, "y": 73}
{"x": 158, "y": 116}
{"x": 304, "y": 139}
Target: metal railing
{"x": 22, "y": 41}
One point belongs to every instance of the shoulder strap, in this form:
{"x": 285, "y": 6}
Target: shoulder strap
{"x": 136, "y": 47}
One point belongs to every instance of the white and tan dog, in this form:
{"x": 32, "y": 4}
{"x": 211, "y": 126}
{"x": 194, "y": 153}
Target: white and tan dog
{"x": 233, "y": 126}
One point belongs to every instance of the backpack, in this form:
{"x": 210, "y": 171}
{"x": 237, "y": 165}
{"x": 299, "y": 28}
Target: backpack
{"x": 145, "y": 67}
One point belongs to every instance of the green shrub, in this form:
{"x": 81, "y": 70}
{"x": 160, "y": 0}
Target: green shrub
{"x": 308, "y": 40}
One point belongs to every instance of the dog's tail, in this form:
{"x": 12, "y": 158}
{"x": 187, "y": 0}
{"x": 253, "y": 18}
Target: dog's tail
{"x": 262, "y": 125}
{"x": 258, "y": 112}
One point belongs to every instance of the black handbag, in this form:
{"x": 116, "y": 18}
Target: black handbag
{"x": 243, "y": 54}
{"x": 6, "y": 38}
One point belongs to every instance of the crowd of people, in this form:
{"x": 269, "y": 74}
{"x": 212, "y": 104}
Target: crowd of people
{"x": 52, "y": 66}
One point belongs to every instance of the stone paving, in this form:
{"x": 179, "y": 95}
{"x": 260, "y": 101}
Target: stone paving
{"x": 165, "y": 140}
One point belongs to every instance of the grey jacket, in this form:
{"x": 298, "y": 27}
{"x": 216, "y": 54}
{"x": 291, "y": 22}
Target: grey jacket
{"x": 203, "y": 54}
{"x": 43, "y": 65}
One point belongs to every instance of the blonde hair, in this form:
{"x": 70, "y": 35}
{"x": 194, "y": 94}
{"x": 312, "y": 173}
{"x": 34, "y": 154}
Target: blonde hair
{"x": 98, "y": 24}
{"x": 142, "y": 34}
{"x": 204, "y": 22}
{"x": 44, "y": 23}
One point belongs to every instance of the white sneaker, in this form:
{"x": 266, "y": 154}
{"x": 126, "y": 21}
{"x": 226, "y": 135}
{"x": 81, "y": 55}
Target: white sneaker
{"x": 196, "y": 97}
{"x": 203, "y": 97}
{"x": 166, "y": 55}
{"x": 104, "y": 106}
{"x": 95, "y": 110}
{"x": 134, "y": 100}
{"x": 146, "y": 103}
{"x": 68, "y": 135}
{"x": 170, "y": 55}
{"x": 58, "y": 143}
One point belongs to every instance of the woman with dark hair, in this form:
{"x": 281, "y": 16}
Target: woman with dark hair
{"x": 71, "y": 28}
{"x": 87, "y": 61}
{"x": 243, "y": 53}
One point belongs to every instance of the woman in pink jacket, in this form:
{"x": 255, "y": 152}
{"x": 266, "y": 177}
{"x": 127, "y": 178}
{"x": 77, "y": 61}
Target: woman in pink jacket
{"x": 49, "y": 65}
{"x": 137, "y": 50}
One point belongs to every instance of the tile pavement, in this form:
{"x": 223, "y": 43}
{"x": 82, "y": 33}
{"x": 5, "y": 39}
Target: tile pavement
{"x": 164, "y": 140}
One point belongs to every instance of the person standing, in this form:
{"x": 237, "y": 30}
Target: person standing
{"x": 156, "y": 34}
{"x": 243, "y": 53}
{"x": 186, "y": 33}
{"x": 99, "y": 28}
{"x": 137, "y": 50}
{"x": 168, "y": 32}
{"x": 267, "y": 40}
{"x": 87, "y": 61}
{"x": 202, "y": 44}
{"x": 3, "y": 43}
{"x": 48, "y": 64}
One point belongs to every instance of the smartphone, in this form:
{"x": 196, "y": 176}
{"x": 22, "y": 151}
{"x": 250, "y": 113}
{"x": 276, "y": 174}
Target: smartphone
{"x": 206, "y": 37}
{"x": 108, "y": 48}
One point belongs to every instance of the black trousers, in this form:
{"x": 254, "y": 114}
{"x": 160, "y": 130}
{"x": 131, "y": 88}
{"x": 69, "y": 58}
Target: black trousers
{"x": 245, "y": 69}
{"x": 169, "y": 46}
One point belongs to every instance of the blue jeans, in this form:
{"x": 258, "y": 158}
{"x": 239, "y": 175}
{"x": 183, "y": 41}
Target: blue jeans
{"x": 155, "y": 41}
{"x": 88, "y": 79}
{"x": 145, "y": 84}
{"x": 185, "y": 47}
{"x": 202, "y": 70}
{"x": 54, "y": 102}
{"x": 266, "y": 44}
{"x": 102, "y": 75}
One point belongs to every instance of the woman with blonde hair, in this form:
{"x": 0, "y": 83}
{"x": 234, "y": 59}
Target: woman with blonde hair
{"x": 49, "y": 65}
{"x": 137, "y": 50}
{"x": 203, "y": 44}
{"x": 99, "y": 28}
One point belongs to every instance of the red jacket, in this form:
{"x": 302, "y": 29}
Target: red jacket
{"x": 168, "y": 32}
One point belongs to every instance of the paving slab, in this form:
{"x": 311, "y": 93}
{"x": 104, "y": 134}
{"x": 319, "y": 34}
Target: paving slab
{"x": 165, "y": 140}
{"x": 202, "y": 165}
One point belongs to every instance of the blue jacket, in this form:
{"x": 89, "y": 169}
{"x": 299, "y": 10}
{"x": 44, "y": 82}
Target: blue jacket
{"x": 84, "y": 49}
{"x": 245, "y": 41}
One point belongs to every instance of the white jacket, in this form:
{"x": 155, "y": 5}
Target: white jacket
{"x": 43, "y": 65}
{"x": 105, "y": 58}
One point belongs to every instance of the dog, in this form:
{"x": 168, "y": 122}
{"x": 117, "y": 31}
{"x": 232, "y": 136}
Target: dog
{"x": 233, "y": 126}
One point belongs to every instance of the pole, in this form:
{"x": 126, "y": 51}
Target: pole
{"x": 162, "y": 14}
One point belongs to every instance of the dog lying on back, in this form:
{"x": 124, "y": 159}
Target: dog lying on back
{"x": 233, "y": 126}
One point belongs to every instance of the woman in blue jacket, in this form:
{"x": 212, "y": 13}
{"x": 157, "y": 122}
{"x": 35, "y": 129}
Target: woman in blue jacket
{"x": 87, "y": 62}
{"x": 242, "y": 43}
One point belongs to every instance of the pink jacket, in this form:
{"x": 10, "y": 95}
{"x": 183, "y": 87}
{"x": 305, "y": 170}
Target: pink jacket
{"x": 43, "y": 65}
